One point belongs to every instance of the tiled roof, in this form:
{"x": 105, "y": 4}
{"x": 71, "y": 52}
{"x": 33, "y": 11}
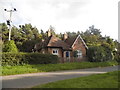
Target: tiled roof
{"x": 70, "y": 40}
{"x": 54, "y": 41}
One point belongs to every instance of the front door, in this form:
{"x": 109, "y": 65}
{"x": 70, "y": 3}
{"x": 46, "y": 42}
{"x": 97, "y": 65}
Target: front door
{"x": 67, "y": 54}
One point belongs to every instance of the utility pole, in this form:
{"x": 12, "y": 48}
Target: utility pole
{"x": 10, "y": 21}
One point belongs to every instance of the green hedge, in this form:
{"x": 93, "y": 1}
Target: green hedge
{"x": 99, "y": 54}
{"x": 27, "y": 58}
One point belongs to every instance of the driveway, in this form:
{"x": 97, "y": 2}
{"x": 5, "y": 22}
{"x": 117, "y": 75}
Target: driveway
{"x": 30, "y": 80}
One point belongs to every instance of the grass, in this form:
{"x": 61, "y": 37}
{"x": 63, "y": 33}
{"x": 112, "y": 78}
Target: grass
{"x": 107, "y": 80}
{"x": 12, "y": 70}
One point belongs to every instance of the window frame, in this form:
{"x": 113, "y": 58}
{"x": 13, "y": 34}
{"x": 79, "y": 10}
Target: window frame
{"x": 79, "y": 53}
{"x": 56, "y": 51}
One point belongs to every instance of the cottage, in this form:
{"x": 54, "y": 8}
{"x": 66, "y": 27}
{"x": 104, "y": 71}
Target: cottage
{"x": 67, "y": 48}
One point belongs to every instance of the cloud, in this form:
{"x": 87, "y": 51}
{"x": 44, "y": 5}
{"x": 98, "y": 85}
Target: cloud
{"x": 64, "y": 15}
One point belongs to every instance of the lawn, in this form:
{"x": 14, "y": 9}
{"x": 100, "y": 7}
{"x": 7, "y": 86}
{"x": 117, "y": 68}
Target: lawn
{"x": 12, "y": 70}
{"x": 107, "y": 80}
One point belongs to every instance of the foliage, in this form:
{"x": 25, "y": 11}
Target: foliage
{"x": 20, "y": 35}
{"x": 27, "y": 68}
{"x": 117, "y": 52}
{"x": 28, "y": 45}
{"x": 106, "y": 80}
{"x": 26, "y": 36}
{"x": 10, "y": 46}
{"x": 27, "y": 58}
{"x": 117, "y": 56}
{"x": 98, "y": 54}
{"x": 4, "y": 29}
{"x": 75, "y": 53}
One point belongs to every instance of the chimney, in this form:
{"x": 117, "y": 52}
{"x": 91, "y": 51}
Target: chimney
{"x": 48, "y": 33}
{"x": 65, "y": 36}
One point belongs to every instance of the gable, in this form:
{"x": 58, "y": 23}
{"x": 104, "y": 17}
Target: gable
{"x": 78, "y": 45}
{"x": 78, "y": 41}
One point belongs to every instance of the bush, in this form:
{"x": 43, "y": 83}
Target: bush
{"x": 27, "y": 58}
{"x": 99, "y": 54}
{"x": 10, "y": 46}
{"x": 117, "y": 56}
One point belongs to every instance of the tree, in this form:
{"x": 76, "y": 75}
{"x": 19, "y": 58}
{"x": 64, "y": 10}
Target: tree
{"x": 94, "y": 31}
{"x": 5, "y": 31}
{"x": 98, "y": 54}
{"x": 92, "y": 36}
{"x": 20, "y": 35}
{"x": 71, "y": 34}
{"x": 28, "y": 32}
{"x": 10, "y": 46}
{"x": 111, "y": 43}
{"x": 15, "y": 34}
{"x": 42, "y": 34}
{"x": 27, "y": 46}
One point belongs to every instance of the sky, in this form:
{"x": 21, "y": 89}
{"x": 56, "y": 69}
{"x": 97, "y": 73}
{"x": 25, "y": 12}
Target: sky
{"x": 64, "y": 15}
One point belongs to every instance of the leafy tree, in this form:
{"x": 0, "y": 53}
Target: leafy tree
{"x": 20, "y": 35}
{"x": 111, "y": 43}
{"x": 5, "y": 31}
{"x": 16, "y": 34}
{"x": 70, "y": 34}
{"x": 92, "y": 36}
{"x": 10, "y": 46}
{"x": 31, "y": 43}
{"x": 42, "y": 34}
{"x": 94, "y": 31}
{"x": 98, "y": 54}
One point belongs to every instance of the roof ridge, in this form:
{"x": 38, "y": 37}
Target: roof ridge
{"x": 49, "y": 39}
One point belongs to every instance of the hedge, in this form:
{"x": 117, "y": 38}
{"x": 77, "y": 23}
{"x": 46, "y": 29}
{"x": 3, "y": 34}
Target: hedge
{"x": 27, "y": 58}
{"x": 99, "y": 54}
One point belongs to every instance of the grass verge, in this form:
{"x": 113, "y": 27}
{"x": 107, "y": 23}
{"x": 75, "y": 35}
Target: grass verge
{"x": 107, "y": 80}
{"x": 12, "y": 70}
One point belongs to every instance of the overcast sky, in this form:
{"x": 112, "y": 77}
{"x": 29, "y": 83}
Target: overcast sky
{"x": 64, "y": 15}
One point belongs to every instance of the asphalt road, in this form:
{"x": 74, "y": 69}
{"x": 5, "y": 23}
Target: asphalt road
{"x": 30, "y": 80}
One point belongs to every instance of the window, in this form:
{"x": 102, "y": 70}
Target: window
{"x": 55, "y": 51}
{"x": 79, "y": 53}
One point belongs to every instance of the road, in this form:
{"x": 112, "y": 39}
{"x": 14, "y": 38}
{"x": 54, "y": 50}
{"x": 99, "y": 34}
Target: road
{"x": 30, "y": 80}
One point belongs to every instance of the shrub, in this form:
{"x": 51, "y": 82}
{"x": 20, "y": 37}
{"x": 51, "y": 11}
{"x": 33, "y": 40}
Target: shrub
{"x": 117, "y": 56}
{"x": 37, "y": 58}
{"x": 99, "y": 54}
{"x": 10, "y": 46}
{"x": 27, "y": 58}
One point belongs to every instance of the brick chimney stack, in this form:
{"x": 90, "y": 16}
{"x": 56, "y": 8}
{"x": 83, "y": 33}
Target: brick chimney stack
{"x": 65, "y": 36}
{"x": 49, "y": 33}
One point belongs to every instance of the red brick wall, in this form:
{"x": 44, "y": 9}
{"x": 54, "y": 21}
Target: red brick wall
{"x": 78, "y": 45}
{"x": 59, "y": 51}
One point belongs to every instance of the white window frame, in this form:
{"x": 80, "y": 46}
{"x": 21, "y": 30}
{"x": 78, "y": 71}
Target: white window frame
{"x": 56, "y": 51}
{"x": 79, "y": 53}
